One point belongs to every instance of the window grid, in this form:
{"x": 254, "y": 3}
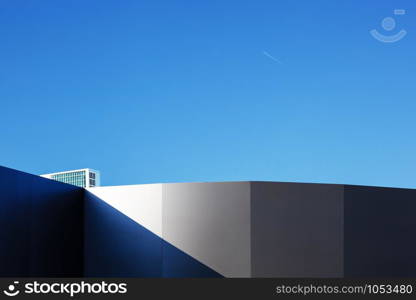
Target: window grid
{"x": 75, "y": 178}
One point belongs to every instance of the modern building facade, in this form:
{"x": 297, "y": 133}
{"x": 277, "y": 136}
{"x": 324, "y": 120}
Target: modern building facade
{"x": 84, "y": 178}
{"x": 221, "y": 229}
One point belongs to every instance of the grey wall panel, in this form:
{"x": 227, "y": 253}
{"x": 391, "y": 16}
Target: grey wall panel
{"x": 211, "y": 223}
{"x": 297, "y": 230}
{"x": 380, "y": 227}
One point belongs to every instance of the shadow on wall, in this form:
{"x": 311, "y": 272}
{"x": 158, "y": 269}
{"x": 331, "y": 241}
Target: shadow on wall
{"x": 52, "y": 229}
{"x": 41, "y": 226}
{"x": 115, "y": 245}
{"x": 379, "y": 226}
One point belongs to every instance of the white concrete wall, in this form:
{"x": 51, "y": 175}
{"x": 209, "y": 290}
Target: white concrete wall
{"x": 243, "y": 229}
{"x": 208, "y": 221}
{"x": 142, "y": 203}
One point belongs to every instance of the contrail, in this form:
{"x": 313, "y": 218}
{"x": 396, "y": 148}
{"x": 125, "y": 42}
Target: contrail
{"x": 272, "y": 57}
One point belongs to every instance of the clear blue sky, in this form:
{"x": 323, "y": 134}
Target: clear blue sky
{"x": 172, "y": 91}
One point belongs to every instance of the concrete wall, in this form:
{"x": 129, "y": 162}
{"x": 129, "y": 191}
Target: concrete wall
{"x": 296, "y": 230}
{"x": 380, "y": 230}
{"x": 142, "y": 203}
{"x": 231, "y": 229}
{"x": 210, "y": 222}
{"x": 270, "y": 229}
{"x": 119, "y": 245}
{"x": 41, "y": 226}
{"x": 116, "y": 245}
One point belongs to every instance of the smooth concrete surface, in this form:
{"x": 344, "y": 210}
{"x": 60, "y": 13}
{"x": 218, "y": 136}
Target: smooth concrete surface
{"x": 142, "y": 203}
{"x": 230, "y": 229}
{"x": 296, "y": 230}
{"x": 380, "y": 230}
{"x": 210, "y": 222}
{"x": 41, "y": 226}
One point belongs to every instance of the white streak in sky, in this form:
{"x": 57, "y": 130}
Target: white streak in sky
{"x": 271, "y": 57}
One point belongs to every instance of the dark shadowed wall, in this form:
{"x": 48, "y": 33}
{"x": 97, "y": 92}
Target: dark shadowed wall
{"x": 296, "y": 230}
{"x": 380, "y": 230}
{"x": 41, "y": 226}
{"x": 235, "y": 229}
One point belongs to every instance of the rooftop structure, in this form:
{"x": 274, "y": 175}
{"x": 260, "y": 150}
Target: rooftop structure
{"x": 84, "y": 178}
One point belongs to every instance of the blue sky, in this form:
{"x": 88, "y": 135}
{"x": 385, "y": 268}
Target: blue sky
{"x": 172, "y": 91}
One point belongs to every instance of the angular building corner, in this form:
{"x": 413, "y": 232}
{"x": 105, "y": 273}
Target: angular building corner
{"x": 223, "y": 229}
